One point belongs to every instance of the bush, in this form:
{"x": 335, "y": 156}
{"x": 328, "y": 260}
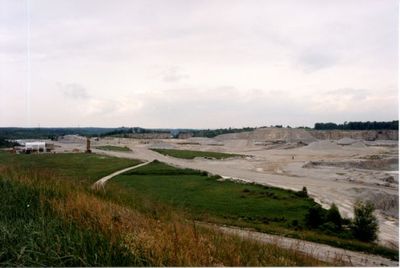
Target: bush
{"x": 328, "y": 228}
{"x": 315, "y": 216}
{"x": 302, "y": 193}
{"x": 364, "y": 225}
{"x": 334, "y": 217}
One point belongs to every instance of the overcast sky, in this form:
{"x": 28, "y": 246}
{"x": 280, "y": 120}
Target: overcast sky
{"x": 197, "y": 64}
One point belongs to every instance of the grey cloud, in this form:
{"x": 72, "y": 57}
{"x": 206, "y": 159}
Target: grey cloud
{"x": 353, "y": 93}
{"x": 173, "y": 74}
{"x": 315, "y": 60}
{"x": 74, "y": 91}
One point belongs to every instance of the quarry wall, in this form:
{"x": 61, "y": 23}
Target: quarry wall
{"x": 369, "y": 135}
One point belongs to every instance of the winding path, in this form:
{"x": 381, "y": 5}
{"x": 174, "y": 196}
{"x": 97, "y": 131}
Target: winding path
{"x": 100, "y": 183}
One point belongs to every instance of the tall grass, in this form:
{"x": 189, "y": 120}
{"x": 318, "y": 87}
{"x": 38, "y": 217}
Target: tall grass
{"x": 33, "y": 235}
{"x": 49, "y": 221}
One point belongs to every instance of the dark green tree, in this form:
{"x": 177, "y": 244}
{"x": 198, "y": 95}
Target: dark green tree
{"x": 364, "y": 225}
{"x": 334, "y": 217}
{"x": 303, "y": 192}
{"x": 315, "y": 216}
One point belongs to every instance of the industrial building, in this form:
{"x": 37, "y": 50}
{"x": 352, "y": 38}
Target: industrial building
{"x": 33, "y": 146}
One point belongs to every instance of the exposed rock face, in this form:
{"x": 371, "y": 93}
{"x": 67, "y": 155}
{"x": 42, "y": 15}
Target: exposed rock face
{"x": 271, "y": 134}
{"x": 368, "y": 135}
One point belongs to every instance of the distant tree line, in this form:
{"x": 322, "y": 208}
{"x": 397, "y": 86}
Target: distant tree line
{"x": 49, "y": 133}
{"x": 390, "y": 125}
{"x": 133, "y": 130}
{"x": 210, "y": 133}
{"x": 4, "y": 143}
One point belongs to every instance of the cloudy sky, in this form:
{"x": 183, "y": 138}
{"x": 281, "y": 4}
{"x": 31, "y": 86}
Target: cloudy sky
{"x": 197, "y": 64}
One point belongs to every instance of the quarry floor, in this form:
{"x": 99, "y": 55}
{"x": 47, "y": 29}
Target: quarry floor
{"x": 286, "y": 167}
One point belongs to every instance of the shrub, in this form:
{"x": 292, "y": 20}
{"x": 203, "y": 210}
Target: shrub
{"x": 315, "y": 216}
{"x": 334, "y": 217}
{"x": 364, "y": 225}
{"x": 303, "y": 192}
{"x": 328, "y": 228}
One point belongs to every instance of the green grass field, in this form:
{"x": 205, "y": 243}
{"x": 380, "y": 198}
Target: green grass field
{"x": 50, "y": 217}
{"x": 114, "y": 148}
{"x": 85, "y": 168}
{"x": 187, "y": 154}
{"x": 205, "y": 196}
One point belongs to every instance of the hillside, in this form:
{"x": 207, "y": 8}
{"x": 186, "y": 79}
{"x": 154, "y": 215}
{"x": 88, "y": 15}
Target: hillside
{"x": 307, "y": 136}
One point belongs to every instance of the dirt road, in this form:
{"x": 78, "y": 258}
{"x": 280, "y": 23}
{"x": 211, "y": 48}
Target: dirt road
{"x": 316, "y": 250}
{"x": 100, "y": 183}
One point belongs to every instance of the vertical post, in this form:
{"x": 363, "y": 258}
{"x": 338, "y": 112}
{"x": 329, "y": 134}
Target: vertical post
{"x": 88, "y": 145}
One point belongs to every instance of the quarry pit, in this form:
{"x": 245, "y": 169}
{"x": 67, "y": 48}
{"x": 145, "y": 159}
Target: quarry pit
{"x": 336, "y": 167}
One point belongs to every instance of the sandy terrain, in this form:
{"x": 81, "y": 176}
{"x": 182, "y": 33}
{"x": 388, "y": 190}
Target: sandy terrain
{"x": 330, "y": 171}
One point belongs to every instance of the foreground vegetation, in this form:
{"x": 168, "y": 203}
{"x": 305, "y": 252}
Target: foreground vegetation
{"x": 187, "y": 154}
{"x": 266, "y": 209}
{"x": 34, "y": 235}
{"x": 114, "y": 148}
{"x": 50, "y": 217}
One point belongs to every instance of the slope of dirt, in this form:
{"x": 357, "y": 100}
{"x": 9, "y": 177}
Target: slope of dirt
{"x": 346, "y": 141}
{"x": 323, "y": 146}
{"x": 387, "y": 203}
{"x": 358, "y": 144}
{"x": 374, "y": 164}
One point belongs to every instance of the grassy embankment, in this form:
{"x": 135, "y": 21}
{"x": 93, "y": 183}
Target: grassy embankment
{"x": 267, "y": 209}
{"x": 50, "y": 217}
{"x": 114, "y": 148}
{"x": 187, "y": 154}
